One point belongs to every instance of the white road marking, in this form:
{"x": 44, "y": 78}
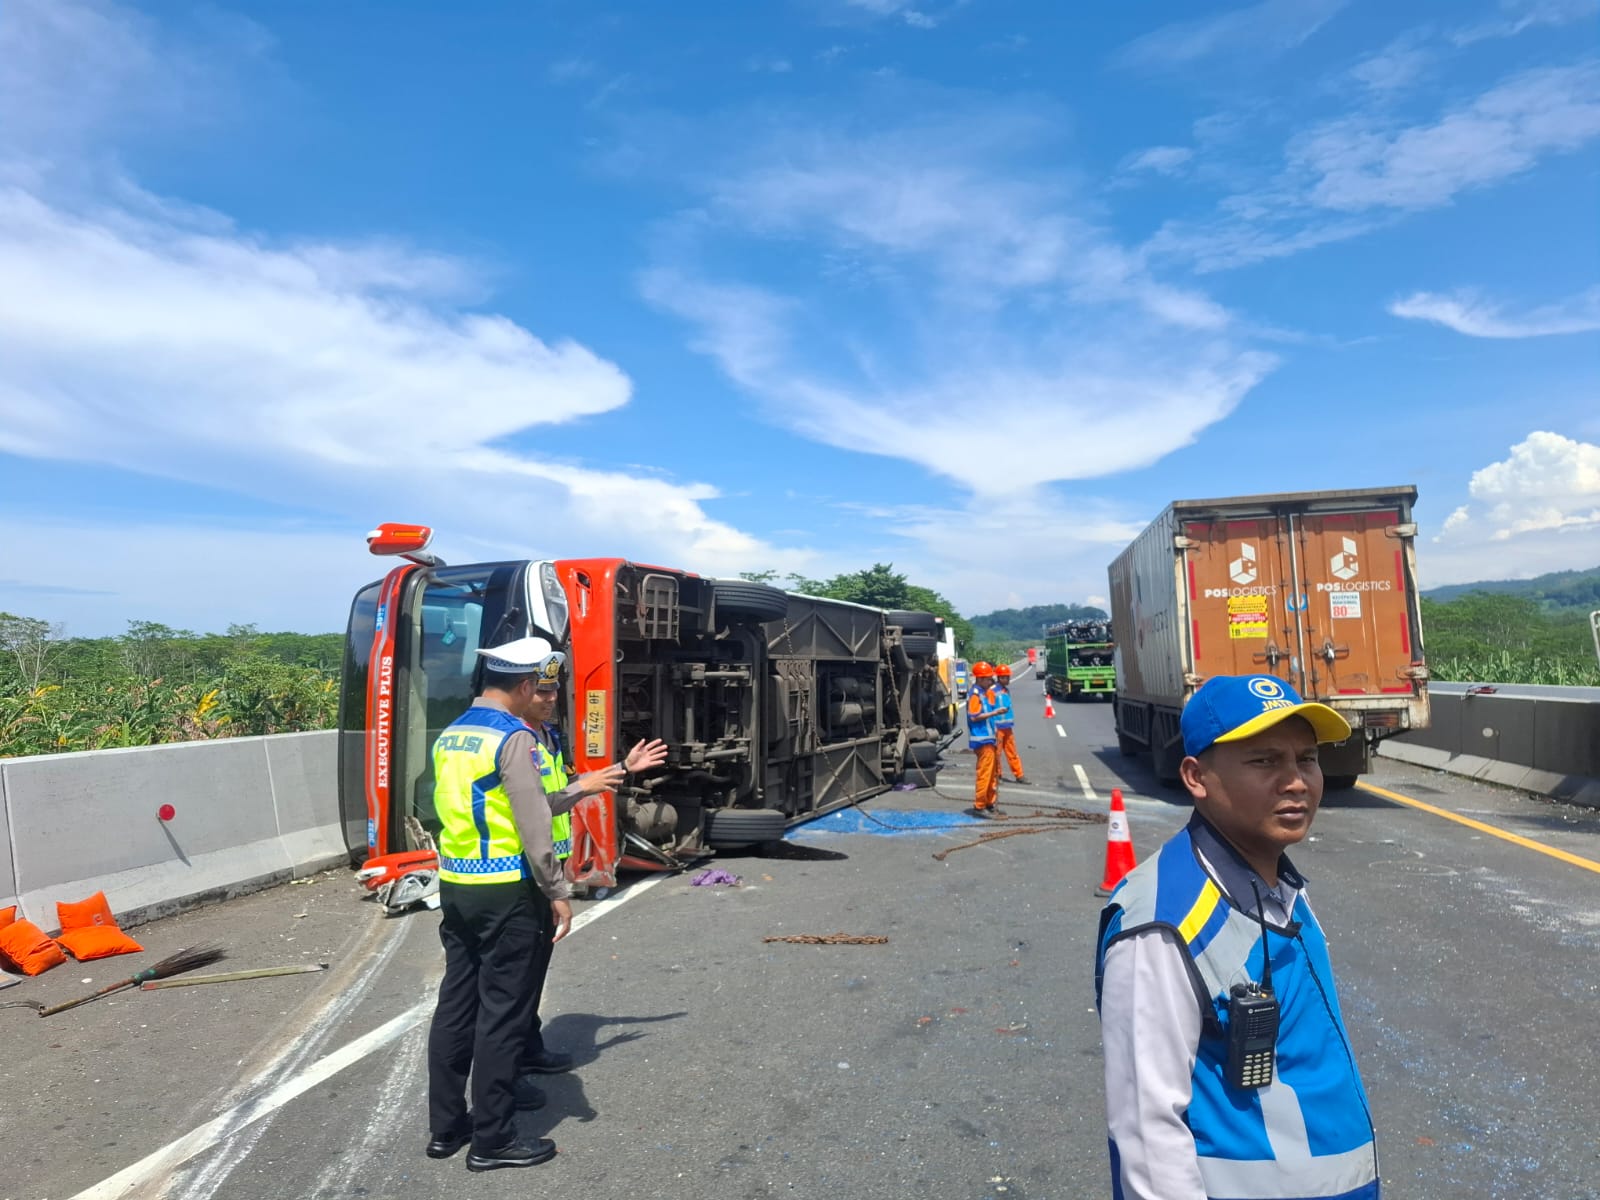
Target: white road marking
{"x": 1083, "y": 781}
{"x": 204, "y": 1137}
{"x": 1060, "y": 731}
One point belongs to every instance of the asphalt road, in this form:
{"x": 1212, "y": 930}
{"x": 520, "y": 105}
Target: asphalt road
{"x": 961, "y": 1059}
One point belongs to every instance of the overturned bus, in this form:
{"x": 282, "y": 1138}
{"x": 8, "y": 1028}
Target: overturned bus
{"x": 776, "y": 707}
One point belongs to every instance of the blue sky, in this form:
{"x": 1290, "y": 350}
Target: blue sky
{"x": 970, "y": 286}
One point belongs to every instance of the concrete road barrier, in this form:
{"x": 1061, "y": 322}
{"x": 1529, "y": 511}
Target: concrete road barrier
{"x": 247, "y": 813}
{"x": 1539, "y": 740}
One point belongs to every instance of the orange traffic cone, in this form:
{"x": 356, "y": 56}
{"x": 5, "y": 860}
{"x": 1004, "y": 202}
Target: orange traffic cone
{"x": 1049, "y": 707}
{"x": 1119, "y": 846}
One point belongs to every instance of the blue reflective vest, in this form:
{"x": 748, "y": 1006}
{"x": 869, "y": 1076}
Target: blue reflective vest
{"x": 981, "y": 708}
{"x": 1005, "y": 718}
{"x": 1306, "y": 1136}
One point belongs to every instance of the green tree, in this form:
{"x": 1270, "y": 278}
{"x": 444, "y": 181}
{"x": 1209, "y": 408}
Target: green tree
{"x": 30, "y": 642}
{"x": 881, "y": 586}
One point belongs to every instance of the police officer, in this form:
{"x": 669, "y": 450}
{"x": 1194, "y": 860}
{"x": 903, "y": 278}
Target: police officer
{"x": 497, "y": 867}
{"x": 563, "y": 790}
{"x": 1005, "y": 726}
{"x": 1197, "y": 1107}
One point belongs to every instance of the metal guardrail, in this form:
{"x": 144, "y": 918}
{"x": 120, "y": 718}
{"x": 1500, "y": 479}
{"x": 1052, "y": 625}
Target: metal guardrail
{"x": 1539, "y": 738}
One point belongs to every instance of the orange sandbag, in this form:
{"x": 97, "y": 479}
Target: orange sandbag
{"x": 96, "y": 910}
{"x": 97, "y": 941}
{"x": 24, "y": 946}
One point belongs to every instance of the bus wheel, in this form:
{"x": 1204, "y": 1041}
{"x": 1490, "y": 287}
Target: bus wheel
{"x": 728, "y": 828}
{"x": 750, "y": 601}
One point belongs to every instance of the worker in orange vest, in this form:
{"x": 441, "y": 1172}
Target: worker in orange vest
{"x": 1005, "y": 722}
{"x": 982, "y": 706}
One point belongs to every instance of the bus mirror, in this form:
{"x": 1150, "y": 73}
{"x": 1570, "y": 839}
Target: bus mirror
{"x": 394, "y": 538}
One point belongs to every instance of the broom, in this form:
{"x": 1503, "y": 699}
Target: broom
{"x": 173, "y": 964}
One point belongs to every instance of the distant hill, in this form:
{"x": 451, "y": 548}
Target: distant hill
{"x": 1557, "y": 591}
{"x": 1024, "y": 624}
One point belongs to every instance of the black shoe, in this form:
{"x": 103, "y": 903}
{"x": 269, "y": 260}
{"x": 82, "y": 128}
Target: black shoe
{"x": 443, "y": 1145}
{"x": 1024, "y": 782}
{"x": 517, "y": 1154}
{"x": 548, "y": 1062}
{"x": 529, "y": 1094}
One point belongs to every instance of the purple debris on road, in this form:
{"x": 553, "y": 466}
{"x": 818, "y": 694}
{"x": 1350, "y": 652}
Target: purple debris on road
{"x": 714, "y": 877}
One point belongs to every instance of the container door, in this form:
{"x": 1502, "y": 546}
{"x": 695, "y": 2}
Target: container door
{"x": 1244, "y": 614}
{"x": 1358, "y": 630}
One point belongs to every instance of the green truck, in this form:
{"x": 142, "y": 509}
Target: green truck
{"x": 1078, "y": 659}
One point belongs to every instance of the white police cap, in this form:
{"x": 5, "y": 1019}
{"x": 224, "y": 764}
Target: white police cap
{"x": 525, "y": 656}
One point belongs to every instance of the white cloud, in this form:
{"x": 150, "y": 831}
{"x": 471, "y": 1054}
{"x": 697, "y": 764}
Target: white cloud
{"x": 223, "y": 360}
{"x": 571, "y": 70}
{"x": 1355, "y": 164}
{"x": 1066, "y": 560}
{"x": 1522, "y": 15}
{"x": 1347, "y": 177}
{"x": 936, "y": 275}
{"x": 1549, "y": 484}
{"x": 905, "y": 10}
{"x": 1394, "y": 68}
{"x": 1270, "y": 27}
{"x": 157, "y": 337}
{"x": 1163, "y": 160}
{"x": 1468, "y": 313}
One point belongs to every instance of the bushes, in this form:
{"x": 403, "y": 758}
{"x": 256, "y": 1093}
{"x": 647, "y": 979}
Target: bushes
{"x": 156, "y": 685}
{"x": 1485, "y": 637}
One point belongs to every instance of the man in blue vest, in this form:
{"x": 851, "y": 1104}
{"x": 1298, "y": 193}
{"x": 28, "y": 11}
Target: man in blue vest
{"x": 497, "y": 868}
{"x": 1005, "y": 727}
{"x": 564, "y": 788}
{"x": 1200, "y": 946}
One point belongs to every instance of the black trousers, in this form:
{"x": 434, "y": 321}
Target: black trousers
{"x": 491, "y": 934}
{"x": 541, "y": 968}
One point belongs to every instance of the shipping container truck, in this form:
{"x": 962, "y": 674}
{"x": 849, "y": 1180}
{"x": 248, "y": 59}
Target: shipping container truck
{"x": 1316, "y": 588}
{"x": 1078, "y": 657}
{"x": 775, "y": 707}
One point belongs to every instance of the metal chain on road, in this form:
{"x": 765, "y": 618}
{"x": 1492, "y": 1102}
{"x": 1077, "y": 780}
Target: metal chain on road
{"x": 830, "y": 939}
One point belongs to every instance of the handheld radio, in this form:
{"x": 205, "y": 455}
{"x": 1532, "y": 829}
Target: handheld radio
{"x": 1253, "y": 1020}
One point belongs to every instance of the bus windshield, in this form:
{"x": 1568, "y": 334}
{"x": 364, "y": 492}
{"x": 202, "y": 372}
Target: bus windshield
{"x": 461, "y": 610}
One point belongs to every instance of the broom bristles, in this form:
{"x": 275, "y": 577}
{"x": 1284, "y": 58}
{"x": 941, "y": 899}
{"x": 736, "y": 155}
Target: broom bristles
{"x": 187, "y": 960}
{"x": 173, "y": 964}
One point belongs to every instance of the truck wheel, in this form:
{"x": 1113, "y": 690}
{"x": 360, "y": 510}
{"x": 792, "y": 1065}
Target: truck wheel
{"x": 920, "y": 645}
{"x": 1128, "y": 746}
{"x": 1165, "y": 761}
{"x": 754, "y": 601}
{"x": 913, "y": 622}
{"x": 1338, "y": 783}
{"x": 727, "y": 828}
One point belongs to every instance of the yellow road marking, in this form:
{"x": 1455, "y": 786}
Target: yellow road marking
{"x": 1576, "y": 860}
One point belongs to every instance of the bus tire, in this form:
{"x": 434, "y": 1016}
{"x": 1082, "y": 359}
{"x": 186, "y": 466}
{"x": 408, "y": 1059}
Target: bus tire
{"x": 729, "y": 828}
{"x": 749, "y": 601}
{"x": 1338, "y": 783}
{"x": 913, "y": 622}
